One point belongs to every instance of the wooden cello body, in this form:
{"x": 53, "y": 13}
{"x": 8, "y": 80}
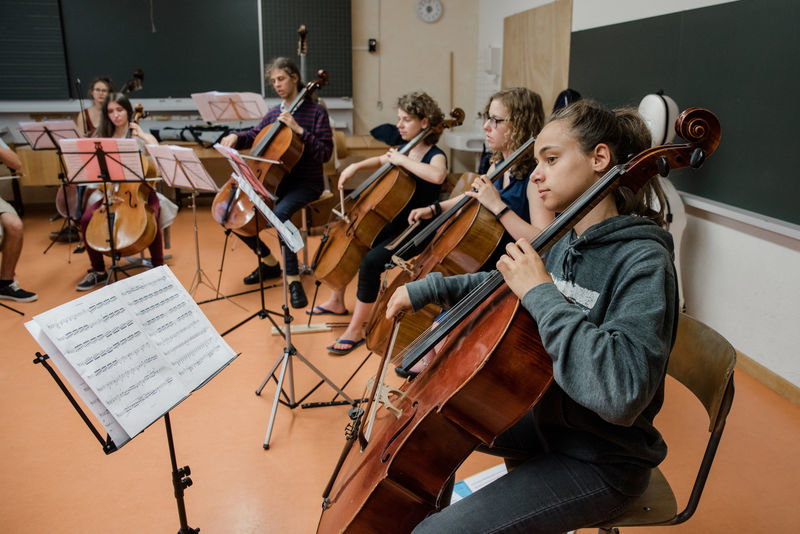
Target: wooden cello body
{"x": 277, "y": 143}
{"x": 368, "y": 209}
{"x": 410, "y": 458}
{"x": 488, "y": 369}
{"x": 346, "y": 241}
{"x": 461, "y": 246}
{"x": 466, "y": 237}
{"x": 133, "y": 223}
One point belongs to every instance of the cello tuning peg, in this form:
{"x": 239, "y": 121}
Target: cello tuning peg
{"x": 663, "y": 166}
{"x": 697, "y": 158}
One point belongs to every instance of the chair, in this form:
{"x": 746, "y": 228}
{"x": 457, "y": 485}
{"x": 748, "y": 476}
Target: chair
{"x": 702, "y": 360}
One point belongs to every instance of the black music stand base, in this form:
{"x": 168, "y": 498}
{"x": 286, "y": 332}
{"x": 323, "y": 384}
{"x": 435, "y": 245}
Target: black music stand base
{"x": 180, "y": 476}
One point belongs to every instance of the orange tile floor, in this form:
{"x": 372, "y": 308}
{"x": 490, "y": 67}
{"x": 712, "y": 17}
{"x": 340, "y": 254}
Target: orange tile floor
{"x": 55, "y": 478}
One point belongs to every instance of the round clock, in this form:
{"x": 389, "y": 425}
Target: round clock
{"x": 429, "y": 10}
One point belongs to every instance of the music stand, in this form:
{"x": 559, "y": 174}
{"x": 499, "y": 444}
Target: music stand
{"x": 103, "y": 160}
{"x": 45, "y": 135}
{"x": 128, "y": 366}
{"x": 216, "y": 106}
{"x": 180, "y": 167}
{"x": 290, "y": 238}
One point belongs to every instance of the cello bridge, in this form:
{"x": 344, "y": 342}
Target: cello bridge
{"x": 385, "y": 394}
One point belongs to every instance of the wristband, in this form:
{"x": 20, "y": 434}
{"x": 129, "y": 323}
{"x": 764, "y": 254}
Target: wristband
{"x": 501, "y": 212}
{"x": 437, "y": 208}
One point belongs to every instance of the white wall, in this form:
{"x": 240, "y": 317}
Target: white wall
{"x": 741, "y": 280}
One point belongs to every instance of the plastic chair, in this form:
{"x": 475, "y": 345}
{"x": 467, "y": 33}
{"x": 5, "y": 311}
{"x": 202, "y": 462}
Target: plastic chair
{"x": 702, "y": 360}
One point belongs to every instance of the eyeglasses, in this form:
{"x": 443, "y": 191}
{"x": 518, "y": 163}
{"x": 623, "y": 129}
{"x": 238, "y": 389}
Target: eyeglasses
{"x": 493, "y": 121}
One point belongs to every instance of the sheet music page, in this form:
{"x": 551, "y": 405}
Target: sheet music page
{"x": 189, "y": 174}
{"x": 104, "y": 344}
{"x": 34, "y": 134}
{"x": 117, "y": 433}
{"x": 123, "y": 159}
{"x": 173, "y": 321}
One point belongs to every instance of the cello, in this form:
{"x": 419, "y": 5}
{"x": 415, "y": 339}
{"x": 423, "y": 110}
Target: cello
{"x": 127, "y": 216}
{"x": 276, "y": 143}
{"x": 465, "y": 237}
{"x": 366, "y": 211}
{"x": 395, "y": 478}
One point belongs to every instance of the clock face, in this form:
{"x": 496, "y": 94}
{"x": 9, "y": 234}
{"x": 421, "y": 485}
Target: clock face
{"x": 429, "y": 10}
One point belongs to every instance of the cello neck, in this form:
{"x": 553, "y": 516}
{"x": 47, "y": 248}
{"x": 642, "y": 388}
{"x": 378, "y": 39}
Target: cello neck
{"x": 439, "y": 221}
{"x": 386, "y": 167}
{"x": 563, "y": 223}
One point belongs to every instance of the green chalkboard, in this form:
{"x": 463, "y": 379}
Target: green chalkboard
{"x": 183, "y": 46}
{"x": 737, "y": 59}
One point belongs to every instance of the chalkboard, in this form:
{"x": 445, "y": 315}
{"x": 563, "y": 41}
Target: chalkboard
{"x": 183, "y": 46}
{"x": 739, "y": 60}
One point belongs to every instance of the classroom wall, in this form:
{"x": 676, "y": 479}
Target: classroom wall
{"x": 739, "y": 279}
{"x": 412, "y": 55}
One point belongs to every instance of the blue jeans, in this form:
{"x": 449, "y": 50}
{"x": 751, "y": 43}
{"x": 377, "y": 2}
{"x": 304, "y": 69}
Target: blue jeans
{"x": 289, "y": 202}
{"x": 547, "y": 494}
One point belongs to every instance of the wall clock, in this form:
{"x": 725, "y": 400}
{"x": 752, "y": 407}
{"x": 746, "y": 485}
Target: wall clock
{"x": 429, "y": 10}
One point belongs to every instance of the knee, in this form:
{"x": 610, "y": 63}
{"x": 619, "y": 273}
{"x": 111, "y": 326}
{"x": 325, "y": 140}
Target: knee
{"x": 12, "y": 224}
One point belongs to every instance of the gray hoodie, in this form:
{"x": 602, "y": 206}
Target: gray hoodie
{"x": 608, "y": 321}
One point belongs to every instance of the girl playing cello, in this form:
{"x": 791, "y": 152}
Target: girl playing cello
{"x": 427, "y": 164}
{"x": 304, "y": 183}
{"x": 511, "y": 117}
{"x": 117, "y": 121}
{"x": 605, "y": 302}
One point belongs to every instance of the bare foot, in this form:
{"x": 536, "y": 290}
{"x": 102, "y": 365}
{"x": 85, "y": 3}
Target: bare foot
{"x": 332, "y": 305}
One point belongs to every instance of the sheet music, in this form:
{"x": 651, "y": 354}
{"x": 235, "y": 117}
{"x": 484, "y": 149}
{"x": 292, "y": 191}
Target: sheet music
{"x": 170, "y": 318}
{"x": 246, "y": 179}
{"x": 34, "y": 133}
{"x": 114, "y": 429}
{"x": 141, "y": 345}
{"x": 189, "y": 174}
{"x": 219, "y": 106}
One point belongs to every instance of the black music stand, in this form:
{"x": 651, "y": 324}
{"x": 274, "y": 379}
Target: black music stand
{"x": 128, "y": 367}
{"x": 45, "y": 135}
{"x": 106, "y": 160}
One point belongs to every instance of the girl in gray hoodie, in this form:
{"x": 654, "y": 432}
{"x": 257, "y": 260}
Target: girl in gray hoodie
{"x": 605, "y": 301}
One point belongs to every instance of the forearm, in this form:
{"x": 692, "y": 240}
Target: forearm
{"x": 440, "y": 290}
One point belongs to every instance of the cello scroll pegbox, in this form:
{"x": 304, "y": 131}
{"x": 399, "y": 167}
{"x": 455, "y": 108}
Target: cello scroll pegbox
{"x": 458, "y": 116}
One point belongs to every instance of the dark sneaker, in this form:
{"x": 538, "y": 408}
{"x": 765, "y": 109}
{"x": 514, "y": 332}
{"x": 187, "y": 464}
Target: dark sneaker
{"x": 14, "y": 292}
{"x": 267, "y": 272}
{"x": 91, "y": 280}
{"x": 297, "y": 296}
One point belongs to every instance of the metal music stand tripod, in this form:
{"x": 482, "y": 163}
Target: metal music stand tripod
{"x": 45, "y": 135}
{"x": 290, "y": 238}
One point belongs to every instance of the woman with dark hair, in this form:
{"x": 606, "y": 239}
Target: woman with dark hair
{"x": 116, "y": 121}
{"x": 304, "y": 183}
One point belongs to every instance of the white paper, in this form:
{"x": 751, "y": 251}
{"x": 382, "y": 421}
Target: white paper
{"x": 34, "y": 133}
{"x": 218, "y": 106}
{"x": 114, "y": 430}
{"x": 141, "y": 345}
{"x": 122, "y": 156}
{"x": 180, "y": 167}
{"x": 174, "y": 322}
